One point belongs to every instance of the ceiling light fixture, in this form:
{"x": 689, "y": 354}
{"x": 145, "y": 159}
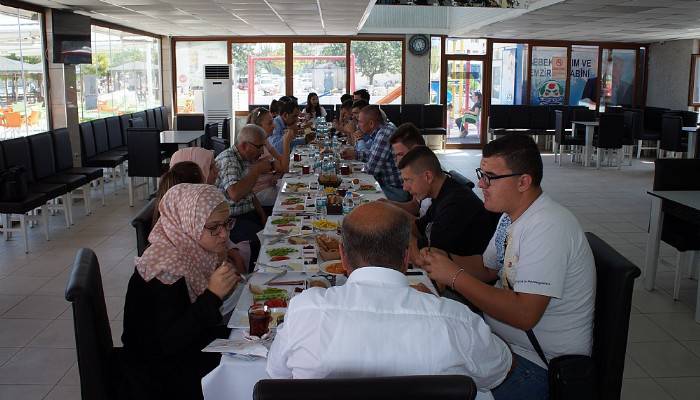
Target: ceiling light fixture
{"x": 320, "y": 14}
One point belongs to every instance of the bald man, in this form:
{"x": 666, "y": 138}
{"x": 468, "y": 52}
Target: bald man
{"x": 378, "y": 325}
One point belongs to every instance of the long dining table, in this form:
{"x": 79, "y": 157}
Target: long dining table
{"x": 235, "y": 376}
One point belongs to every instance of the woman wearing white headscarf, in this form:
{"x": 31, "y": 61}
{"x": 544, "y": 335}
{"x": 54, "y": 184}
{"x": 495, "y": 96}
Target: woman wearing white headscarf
{"x": 172, "y": 302}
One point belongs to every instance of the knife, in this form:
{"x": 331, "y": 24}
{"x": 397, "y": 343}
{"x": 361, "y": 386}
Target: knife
{"x": 277, "y": 275}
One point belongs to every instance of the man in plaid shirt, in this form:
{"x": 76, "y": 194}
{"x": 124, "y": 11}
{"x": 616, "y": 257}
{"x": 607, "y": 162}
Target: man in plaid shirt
{"x": 379, "y": 159}
{"x": 238, "y": 173}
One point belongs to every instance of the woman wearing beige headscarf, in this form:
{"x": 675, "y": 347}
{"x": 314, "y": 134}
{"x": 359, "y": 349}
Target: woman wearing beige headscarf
{"x": 173, "y": 299}
{"x": 202, "y": 157}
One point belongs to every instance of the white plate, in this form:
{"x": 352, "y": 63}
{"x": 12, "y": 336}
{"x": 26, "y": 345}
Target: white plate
{"x": 289, "y": 187}
{"x": 328, "y": 263}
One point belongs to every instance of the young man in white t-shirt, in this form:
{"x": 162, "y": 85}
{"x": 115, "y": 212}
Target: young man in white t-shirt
{"x": 544, "y": 266}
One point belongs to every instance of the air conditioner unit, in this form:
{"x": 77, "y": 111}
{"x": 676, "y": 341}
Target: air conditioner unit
{"x": 218, "y": 89}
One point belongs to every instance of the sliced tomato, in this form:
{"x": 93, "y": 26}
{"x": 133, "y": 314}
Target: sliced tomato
{"x": 276, "y": 303}
{"x": 279, "y": 258}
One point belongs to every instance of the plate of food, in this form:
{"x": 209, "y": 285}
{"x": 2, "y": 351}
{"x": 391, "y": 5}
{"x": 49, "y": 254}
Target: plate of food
{"x": 367, "y": 187}
{"x": 318, "y": 281}
{"x": 283, "y": 253}
{"x": 295, "y": 187}
{"x": 328, "y": 246}
{"x": 334, "y": 267}
{"x": 282, "y": 225}
{"x": 325, "y": 225}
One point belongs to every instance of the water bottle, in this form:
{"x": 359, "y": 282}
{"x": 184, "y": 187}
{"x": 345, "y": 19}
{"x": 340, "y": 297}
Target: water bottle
{"x": 348, "y": 203}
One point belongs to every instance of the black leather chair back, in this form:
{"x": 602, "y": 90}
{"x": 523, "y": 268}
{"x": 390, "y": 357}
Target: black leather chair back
{"x": 412, "y": 113}
{"x": 433, "y": 116}
{"x": 461, "y": 179}
{"x": 136, "y": 122}
{"x": 652, "y": 119}
{"x": 144, "y": 152}
{"x": 392, "y": 111}
{"x": 165, "y": 118}
{"x": 190, "y": 122}
{"x": 582, "y": 114}
{"x": 615, "y": 277}
{"x": 99, "y": 129}
{"x": 210, "y": 131}
{"x": 158, "y": 118}
{"x": 150, "y": 118}
{"x": 93, "y": 338}
{"x": 633, "y": 126}
{"x": 226, "y": 129}
{"x": 142, "y": 115}
{"x": 610, "y": 131}
{"x": 17, "y": 153}
{"x": 676, "y": 174}
{"x": 143, "y": 223}
{"x": 671, "y": 133}
{"x": 690, "y": 118}
{"x": 498, "y": 116}
{"x": 63, "y": 151}
{"x": 437, "y": 387}
{"x": 87, "y": 140}
{"x": 519, "y": 117}
{"x": 539, "y": 118}
{"x": 219, "y": 145}
{"x": 114, "y": 132}
{"x": 41, "y": 148}
{"x": 124, "y": 122}
{"x": 559, "y": 125}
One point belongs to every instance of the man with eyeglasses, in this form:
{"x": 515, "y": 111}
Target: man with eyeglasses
{"x": 546, "y": 286}
{"x": 239, "y": 168}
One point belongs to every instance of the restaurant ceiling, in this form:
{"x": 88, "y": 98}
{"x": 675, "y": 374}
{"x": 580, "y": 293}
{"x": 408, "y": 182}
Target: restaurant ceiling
{"x": 576, "y": 20}
{"x": 226, "y": 17}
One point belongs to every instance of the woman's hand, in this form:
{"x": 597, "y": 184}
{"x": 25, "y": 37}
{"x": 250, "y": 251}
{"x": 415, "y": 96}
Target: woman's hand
{"x": 439, "y": 268}
{"x": 235, "y": 258}
{"x": 223, "y": 280}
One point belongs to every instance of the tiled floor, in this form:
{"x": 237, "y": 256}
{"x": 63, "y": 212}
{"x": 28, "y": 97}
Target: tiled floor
{"x": 37, "y": 348}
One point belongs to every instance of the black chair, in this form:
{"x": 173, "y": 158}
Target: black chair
{"x": 392, "y": 112}
{"x": 90, "y": 158}
{"x": 165, "y": 118}
{"x": 651, "y": 129}
{"x": 461, "y": 179}
{"x": 114, "y": 135}
{"x": 141, "y": 115}
{"x": 44, "y": 166}
{"x": 143, "y": 223}
{"x": 690, "y": 118}
{"x": 158, "y": 118}
{"x": 99, "y": 130}
{"x": 98, "y": 359}
{"x": 539, "y": 120}
{"x": 564, "y": 137}
{"x": 145, "y": 158}
{"x": 672, "y": 135}
{"x": 611, "y": 129}
{"x": 438, "y": 387}
{"x": 210, "y": 131}
{"x": 63, "y": 155}
{"x": 226, "y": 129}
{"x": 20, "y": 208}
{"x": 634, "y": 120}
{"x": 17, "y": 152}
{"x": 680, "y": 228}
{"x": 137, "y": 122}
{"x": 412, "y": 113}
{"x": 615, "y": 277}
{"x": 498, "y": 120}
{"x": 219, "y": 145}
{"x": 190, "y": 122}
{"x": 124, "y": 123}
{"x": 433, "y": 117}
{"x": 150, "y": 118}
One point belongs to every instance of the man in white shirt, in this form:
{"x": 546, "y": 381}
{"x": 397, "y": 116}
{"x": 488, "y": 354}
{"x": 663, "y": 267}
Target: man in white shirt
{"x": 378, "y": 325}
{"x": 544, "y": 266}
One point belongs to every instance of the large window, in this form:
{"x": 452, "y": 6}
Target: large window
{"x": 124, "y": 75}
{"x": 464, "y": 99}
{"x": 258, "y": 71}
{"x": 190, "y": 59}
{"x": 509, "y": 73}
{"x": 376, "y": 66}
{"x": 22, "y": 83}
{"x": 618, "y": 74}
{"x": 548, "y": 74}
{"x": 583, "y": 80}
{"x": 319, "y": 68}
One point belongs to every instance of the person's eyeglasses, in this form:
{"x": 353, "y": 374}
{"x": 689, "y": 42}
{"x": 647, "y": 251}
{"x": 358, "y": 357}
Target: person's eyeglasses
{"x": 480, "y": 175}
{"x": 215, "y": 229}
{"x": 257, "y": 146}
